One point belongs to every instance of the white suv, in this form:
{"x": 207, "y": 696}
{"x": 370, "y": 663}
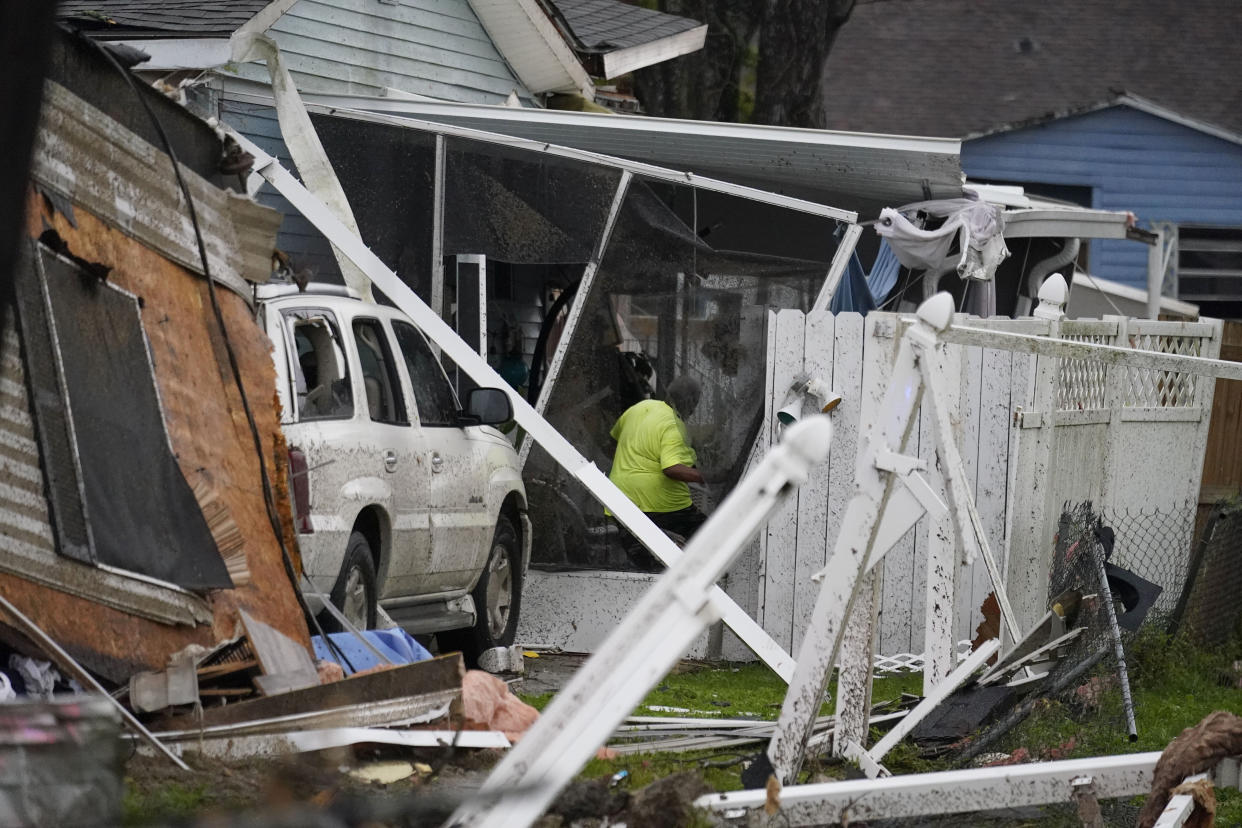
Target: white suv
{"x": 400, "y": 495}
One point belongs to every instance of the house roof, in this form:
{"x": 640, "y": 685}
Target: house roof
{"x": 1132, "y": 101}
{"x": 604, "y": 25}
{"x": 961, "y": 67}
{"x": 614, "y": 38}
{"x": 161, "y": 18}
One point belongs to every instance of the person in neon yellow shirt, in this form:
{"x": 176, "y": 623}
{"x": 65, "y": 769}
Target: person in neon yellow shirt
{"x": 654, "y": 463}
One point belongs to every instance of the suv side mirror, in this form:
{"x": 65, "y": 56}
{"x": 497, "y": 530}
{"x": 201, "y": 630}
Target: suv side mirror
{"x": 488, "y": 406}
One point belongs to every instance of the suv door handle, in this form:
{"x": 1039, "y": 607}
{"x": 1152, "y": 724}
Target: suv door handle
{"x": 437, "y": 462}
{"x": 390, "y": 460}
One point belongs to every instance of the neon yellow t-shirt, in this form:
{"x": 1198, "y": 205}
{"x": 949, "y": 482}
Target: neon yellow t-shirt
{"x": 650, "y": 438}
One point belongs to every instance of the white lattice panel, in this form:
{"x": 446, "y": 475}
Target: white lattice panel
{"x": 912, "y": 662}
{"x": 1162, "y": 389}
{"x": 1082, "y": 384}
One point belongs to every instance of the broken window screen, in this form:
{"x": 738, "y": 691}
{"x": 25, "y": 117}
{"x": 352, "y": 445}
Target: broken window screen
{"x": 320, "y": 372}
{"x": 523, "y": 207}
{"x": 388, "y": 174}
{"x": 141, "y": 513}
{"x": 684, "y": 288}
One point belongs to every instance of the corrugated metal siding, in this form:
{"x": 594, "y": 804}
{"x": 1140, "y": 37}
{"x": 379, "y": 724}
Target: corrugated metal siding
{"x": 1158, "y": 169}
{"x": 436, "y": 48}
{"x": 24, "y": 520}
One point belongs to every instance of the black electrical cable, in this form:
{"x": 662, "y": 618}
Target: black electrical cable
{"x": 268, "y": 499}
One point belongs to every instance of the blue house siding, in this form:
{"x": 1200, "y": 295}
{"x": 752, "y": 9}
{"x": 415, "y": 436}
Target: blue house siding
{"x": 436, "y": 48}
{"x": 297, "y": 236}
{"x": 1132, "y": 160}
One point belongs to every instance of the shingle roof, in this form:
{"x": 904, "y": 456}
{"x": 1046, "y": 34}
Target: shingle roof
{"x": 959, "y": 67}
{"x": 160, "y": 18}
{"x": 608, "y": 24}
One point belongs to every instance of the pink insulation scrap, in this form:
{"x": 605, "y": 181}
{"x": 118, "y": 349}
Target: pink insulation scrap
{"x": 489, "y": 704}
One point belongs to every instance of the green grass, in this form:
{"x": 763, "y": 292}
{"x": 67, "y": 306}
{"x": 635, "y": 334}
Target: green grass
{"x": 735, "y": 691}
{"x": 1174, "y": 686}
{"x": 724, "y": 691}
{"x": 168, "y": 802}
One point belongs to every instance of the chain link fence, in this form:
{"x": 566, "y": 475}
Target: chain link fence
{"x": 1115, "y": 575}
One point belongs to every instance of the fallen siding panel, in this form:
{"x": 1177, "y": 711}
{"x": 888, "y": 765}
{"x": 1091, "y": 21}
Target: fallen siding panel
{"x": 85, "y": 156}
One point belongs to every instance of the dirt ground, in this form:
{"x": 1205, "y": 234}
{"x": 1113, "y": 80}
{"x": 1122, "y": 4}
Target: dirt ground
{"x": 320, "y": 790}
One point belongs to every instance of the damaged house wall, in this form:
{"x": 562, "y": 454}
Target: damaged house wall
{"x": 138, "y": 245}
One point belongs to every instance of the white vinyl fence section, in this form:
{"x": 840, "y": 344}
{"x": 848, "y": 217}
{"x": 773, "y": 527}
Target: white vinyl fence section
{"x": 1035, "y": 433}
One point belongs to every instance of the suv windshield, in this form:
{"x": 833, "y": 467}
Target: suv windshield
{"x": 433, "y": 395}
{"x": 320, "y": 374}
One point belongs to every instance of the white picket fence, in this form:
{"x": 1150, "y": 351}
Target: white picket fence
{"x": 1034, "y": 433}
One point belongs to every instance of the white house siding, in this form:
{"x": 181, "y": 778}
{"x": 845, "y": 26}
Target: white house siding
{"x": 435, "y": 48}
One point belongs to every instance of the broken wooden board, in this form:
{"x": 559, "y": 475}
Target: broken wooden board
{"x": 286, "y": 664}
{"x": 384, "y": 695}
{"x": 178, "y": 684}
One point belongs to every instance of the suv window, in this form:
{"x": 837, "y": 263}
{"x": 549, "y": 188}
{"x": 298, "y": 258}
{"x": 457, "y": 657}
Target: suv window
{"x": 379, "y": 376}
{"x": 437, "y": 404}
{"x": 320, "y": 373}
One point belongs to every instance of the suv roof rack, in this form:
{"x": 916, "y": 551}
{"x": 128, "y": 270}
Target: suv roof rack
{"x": 273, "y": 290}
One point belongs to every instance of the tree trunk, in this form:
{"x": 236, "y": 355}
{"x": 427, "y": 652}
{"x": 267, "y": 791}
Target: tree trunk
{"x": 794, "y": 43}
{"x": 705, "y": 85}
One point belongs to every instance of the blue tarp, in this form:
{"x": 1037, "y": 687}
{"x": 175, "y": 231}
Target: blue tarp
{"x": 883, "y": 273}
{"x": 852, "y": 293}
{"x": 398, "y": 645}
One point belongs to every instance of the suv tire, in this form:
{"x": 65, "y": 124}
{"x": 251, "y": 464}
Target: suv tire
{"x": 354, "y": 591}
{"x": 497, "y": 599}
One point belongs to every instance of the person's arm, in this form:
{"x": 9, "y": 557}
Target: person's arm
{"x": 684, "y": 473}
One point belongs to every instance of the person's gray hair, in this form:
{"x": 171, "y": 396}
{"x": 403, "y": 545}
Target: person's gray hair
{"x": 683, "y": 394}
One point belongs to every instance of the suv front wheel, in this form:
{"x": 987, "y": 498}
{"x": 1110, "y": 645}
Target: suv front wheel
{"x": 497, "y": 598}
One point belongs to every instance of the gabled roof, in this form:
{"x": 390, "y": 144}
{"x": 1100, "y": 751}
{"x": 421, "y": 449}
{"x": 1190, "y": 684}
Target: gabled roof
{"x": 161, "y": 18}
{"x": 614, "y": 38}
{"x": 961, "y": 67}
{"x": 1132, "y": 101}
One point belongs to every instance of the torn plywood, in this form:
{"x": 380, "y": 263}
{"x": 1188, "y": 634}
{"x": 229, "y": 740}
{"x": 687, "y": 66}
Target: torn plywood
{"x": 137, "y": 623}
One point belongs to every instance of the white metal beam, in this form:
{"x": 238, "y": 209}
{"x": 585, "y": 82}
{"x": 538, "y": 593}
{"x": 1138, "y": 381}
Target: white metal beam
{"x": 1111, "y": 354}
{"x": 539, "y": 429}
{"x": 646, "y": 644}
{"x": 946, "y": 792}
{"x": 635, "y": 167}
{"x": 840, "y": 261}
{"x": 856, "y": 549}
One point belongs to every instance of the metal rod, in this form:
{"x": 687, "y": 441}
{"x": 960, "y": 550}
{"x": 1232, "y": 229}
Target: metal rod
{"x": 1097, "y": 553}
{"x": 67, "y": 663}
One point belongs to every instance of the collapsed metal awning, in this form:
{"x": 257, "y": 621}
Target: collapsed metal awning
{"x": 858, "y": 171}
